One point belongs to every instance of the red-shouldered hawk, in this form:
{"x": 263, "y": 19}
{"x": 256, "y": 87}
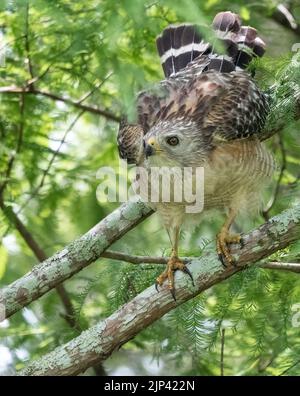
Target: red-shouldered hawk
{"x": 208, "y": 113}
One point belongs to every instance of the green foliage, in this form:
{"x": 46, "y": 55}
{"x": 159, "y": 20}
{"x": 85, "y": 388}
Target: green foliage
{"x": 100, "y": 53}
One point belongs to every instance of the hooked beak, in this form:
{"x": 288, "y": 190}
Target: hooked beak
{"x": 150, "y": 147}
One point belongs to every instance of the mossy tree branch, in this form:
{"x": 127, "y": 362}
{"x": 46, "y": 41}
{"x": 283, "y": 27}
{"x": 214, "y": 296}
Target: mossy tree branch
{"x": 73, "y": 258}
{"x": 97, "y": 343}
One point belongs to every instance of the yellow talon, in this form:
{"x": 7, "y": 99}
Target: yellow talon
{"x": 173, "y": 264}
{"x": 223, "y": 240}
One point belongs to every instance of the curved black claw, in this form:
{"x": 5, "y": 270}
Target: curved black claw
{"x": 242, "y": 243}
{"x": 221, "y": 258}
{"x": 234, "y": 263}
{"x": 156, "y": 287}
{"x": 172, "y": 291}
{"x": 188, "y": 272}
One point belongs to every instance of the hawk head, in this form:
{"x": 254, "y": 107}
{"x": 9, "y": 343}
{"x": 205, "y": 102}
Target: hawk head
{"x": 175, "y": 143}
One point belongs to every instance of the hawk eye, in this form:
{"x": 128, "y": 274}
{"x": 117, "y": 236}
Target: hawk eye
{"x": 173, "y": 141}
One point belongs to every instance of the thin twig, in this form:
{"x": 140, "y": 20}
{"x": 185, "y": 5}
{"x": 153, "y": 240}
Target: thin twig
{"x": 293, "y": 267}
{"x": 42, "y": 75}
{"x": 55, "y": 154}
{"x": 27, "y": 44}
{"x": 12, "y": 89}
{"x": 289, "y": 368}
{"x": 97, "y": 86}
{"x": 95, "y": 110}
{"x": 47, "y": 170}
{"x": 132, "y": 259}
{"x": 18, "y": 146}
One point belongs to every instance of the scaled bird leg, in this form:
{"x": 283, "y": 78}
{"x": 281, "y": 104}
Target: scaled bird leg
{"x": 224, "y": 238}
{"x": 173, "y": 264}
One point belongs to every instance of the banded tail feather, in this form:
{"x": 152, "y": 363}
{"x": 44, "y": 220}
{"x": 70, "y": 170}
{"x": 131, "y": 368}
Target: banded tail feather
{"x": 249, "y": 46}
{"x": 241, "y": 42}
{"x": 180, "y": 45}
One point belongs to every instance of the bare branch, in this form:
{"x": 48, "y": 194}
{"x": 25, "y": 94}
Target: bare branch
{"x": 97, "y": 343}
{"x": 105, "y": 113}
{"x": 96, "y": 110}
{"x": 134, "y": 259}
{"x": 293, "y": 267}
{"x": 113, "y": 255}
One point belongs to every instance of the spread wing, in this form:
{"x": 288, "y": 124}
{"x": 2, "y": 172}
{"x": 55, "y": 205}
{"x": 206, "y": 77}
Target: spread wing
{"x": 239, "y": 111}
{"x": 227, "y": 106}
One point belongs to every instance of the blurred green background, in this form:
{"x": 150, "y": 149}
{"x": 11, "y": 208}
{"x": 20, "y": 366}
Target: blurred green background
{"x": 100, "y": 54}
